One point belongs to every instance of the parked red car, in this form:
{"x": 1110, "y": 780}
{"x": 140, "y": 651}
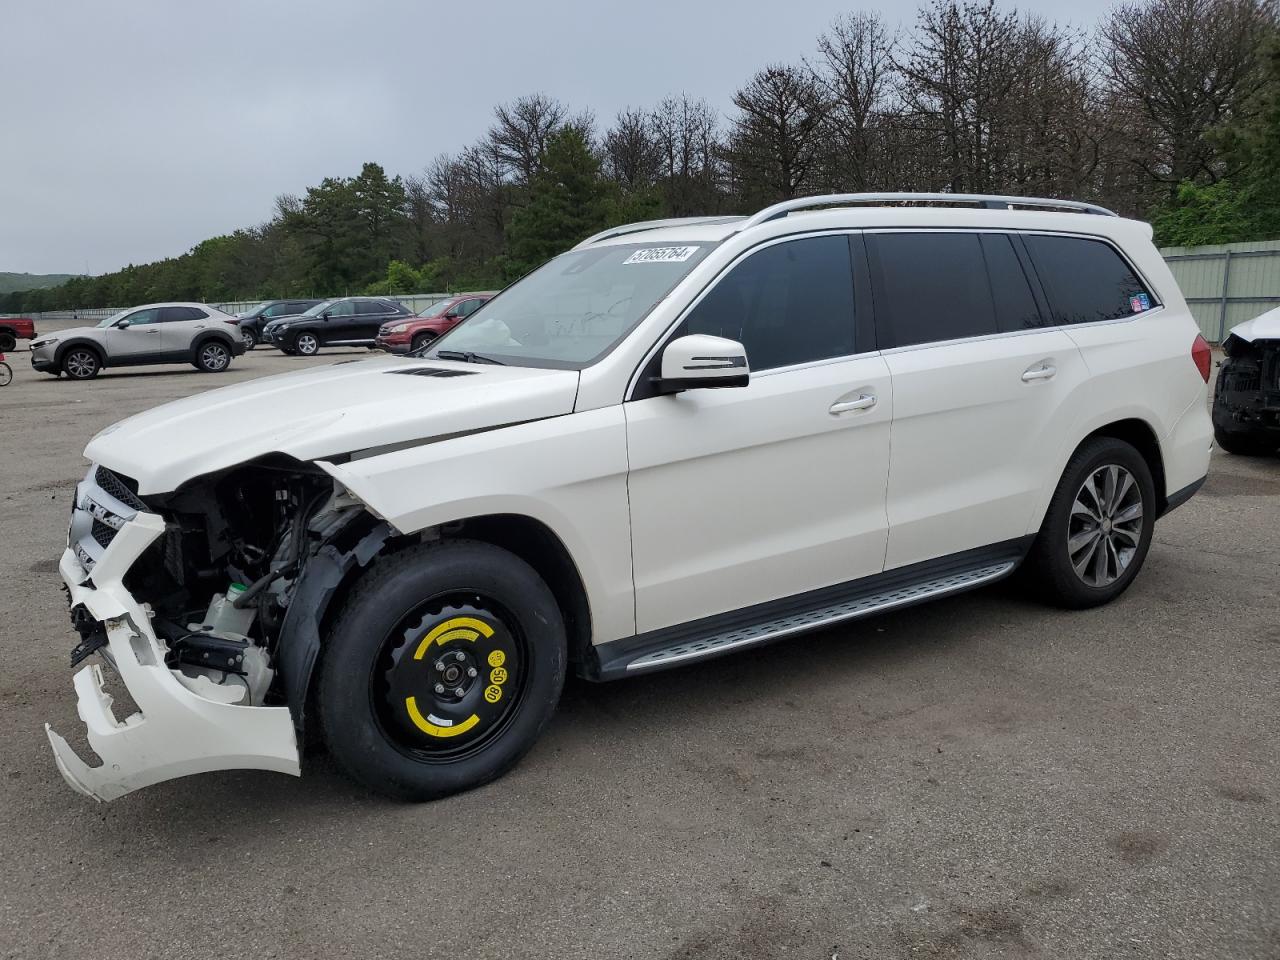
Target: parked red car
{"x": 403, "y": 336}
{"x": 13, "y": 329}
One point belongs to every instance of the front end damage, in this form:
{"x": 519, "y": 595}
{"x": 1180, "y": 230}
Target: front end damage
{"x": 189, "y": 597}
{"x": 1247, "y": 395}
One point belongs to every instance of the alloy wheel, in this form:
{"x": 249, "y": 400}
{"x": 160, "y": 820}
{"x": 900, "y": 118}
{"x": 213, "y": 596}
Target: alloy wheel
{"x": 307, "y": 344}
{"x": 1106, "y": 525}
{"x": 81, "y": 364}
{"x": 214, "y": 356}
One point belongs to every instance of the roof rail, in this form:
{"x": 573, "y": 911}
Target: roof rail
{"x": 920, "y": 199}
{"x": 643, "y": 225}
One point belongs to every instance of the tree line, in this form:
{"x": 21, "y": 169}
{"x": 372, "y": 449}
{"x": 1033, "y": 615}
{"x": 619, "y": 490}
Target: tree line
{"x": 1167, "y": 110}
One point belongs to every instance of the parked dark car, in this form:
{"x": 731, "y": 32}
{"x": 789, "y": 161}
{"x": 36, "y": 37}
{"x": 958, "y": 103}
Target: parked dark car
{"x": 13, "y": 329}
{"x": 251, "y": 323}
{"x": 346, "y": 322}
{"x": 409, "y": 336}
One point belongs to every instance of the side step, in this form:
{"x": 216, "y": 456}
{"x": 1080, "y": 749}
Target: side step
{"x": 766, "y": 622}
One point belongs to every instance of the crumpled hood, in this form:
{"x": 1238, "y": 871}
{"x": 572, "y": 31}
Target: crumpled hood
{"x": 325, "y": 411}
{"x": 1265, "y": 326}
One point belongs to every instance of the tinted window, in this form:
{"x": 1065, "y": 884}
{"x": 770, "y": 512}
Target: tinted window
{"x": 468, "y": 307}
{"x": 789, "y": 303}
{"x": 343, "y": 308}
{"x": 1010, "y": 290}
{"x": 370, "y": 307}
{"x": 1086, "y": 280}
{"x": 279, "y": 310}
{"x": 930, "y": 287}
{"x": 141, "y": 317}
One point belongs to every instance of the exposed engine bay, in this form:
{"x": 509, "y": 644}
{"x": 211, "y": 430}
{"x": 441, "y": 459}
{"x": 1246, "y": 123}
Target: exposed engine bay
{"x": 1247, "y": 396}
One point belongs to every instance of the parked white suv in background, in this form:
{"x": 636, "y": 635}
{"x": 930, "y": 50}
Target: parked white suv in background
{"x": 676, "y": 440}
{"x": 194, "y": 333}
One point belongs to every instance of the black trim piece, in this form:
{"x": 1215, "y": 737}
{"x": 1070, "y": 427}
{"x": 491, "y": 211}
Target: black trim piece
{"x": 609, "y": 661}
{"x": 864, "y": 314}
{"x": 680, "y": 384}
{"x": 1179, "y": 497}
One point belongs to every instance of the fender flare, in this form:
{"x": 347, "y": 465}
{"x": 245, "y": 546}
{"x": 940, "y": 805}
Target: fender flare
{"x": 208, "y": 335}
{"x": 93, "y": 345}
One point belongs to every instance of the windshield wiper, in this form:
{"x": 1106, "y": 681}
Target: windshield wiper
{"x": 467, "y": 357}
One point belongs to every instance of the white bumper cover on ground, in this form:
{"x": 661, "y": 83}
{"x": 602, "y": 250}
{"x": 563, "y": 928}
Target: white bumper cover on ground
{"x": 177, "y": 732}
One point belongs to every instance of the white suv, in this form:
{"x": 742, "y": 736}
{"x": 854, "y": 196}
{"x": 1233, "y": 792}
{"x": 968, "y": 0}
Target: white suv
{"x": 194, "y": 333}
{"x": 678, "y": 439}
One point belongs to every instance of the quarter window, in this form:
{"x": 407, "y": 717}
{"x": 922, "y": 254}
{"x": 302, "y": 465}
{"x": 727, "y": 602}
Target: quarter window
{"x": 1086, "y": 280}
{"x": 930, "y": 287}
{"x": 789, "y": 303}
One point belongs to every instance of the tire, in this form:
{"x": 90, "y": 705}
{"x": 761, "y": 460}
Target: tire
{"x": 420, "y": 341}
{"x": 306, "y": 344}
{"x": 249, "y": 337}
{"x": 1244, "y": 443}
{"x": 1122, "y": 529}
{"x": 81, "y": 363}
{"x": 212, "y": 356}
{"x": 7, "y": 342}
{"x": 6, "y": 374}
{"x": 380, "y": 649}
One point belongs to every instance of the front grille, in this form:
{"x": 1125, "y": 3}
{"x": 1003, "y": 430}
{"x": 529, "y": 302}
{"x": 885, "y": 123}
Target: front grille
{"x": 102, "y": 533}
{"x": 118, "y": 487}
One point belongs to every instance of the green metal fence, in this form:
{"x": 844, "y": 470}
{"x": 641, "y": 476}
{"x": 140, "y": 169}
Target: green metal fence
{"x": 1227, "y": 284}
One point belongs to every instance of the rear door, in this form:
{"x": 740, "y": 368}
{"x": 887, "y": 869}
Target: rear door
{"x": 180, "y": 326}
{"x": 980, "y": 384}
{"x": 370, "y": 315}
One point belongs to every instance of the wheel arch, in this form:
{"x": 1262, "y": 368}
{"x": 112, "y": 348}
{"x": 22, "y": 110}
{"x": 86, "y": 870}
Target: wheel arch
{"x": 1139, "y": 435}
{"x": 208, "y": 335}
{"x": 81, "y": 342}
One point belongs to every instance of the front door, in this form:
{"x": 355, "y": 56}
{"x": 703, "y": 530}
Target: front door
{"x": 743, "y": 495}
{"x": 139, "y": 340}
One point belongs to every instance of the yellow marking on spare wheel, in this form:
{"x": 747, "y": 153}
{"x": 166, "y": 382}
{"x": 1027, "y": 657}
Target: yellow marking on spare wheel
{"x": 456, "y": 628}
{"x": 497, "y": 658}
{"x": 493, "y": 693}
{"x": 498, "y": 675}
{"x": 434, "y": 729}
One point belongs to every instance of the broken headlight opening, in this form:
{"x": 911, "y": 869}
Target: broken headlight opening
{"x": 185, "y": 595}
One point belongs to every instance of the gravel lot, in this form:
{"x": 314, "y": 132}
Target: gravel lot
{"x": 980, "y": 777}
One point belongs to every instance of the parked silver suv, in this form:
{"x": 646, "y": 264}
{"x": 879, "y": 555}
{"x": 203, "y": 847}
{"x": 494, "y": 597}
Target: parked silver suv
{"x": 154, "y": 333}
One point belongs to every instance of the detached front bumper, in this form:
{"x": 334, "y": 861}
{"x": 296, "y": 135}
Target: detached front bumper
{"x": 177, "y": 732}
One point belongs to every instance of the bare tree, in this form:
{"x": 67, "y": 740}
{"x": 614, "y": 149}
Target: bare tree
{"x": 856, "y": 72}
{"x": 632, "y": 156}
{"x": 519, "y": 136}
{"x": 686, "y": 132}
{"x": 776, "y": 140}
{"x": 1179, "y": 70}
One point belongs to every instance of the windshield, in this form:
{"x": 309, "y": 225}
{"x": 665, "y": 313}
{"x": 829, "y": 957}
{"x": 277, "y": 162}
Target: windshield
{"x": 113, "y": 318}
{"x": 574, "y": 309}
{"x": 435, "y": 309}
{"x": 319, "y": 308}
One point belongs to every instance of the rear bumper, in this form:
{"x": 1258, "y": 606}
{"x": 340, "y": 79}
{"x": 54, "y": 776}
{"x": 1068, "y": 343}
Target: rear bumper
{"x": 177, "y": 732}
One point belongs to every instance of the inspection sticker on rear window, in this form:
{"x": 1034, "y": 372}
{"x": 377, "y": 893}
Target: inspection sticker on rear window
{"x": 661, "y": 255}
{"x": 1139, "y": 302}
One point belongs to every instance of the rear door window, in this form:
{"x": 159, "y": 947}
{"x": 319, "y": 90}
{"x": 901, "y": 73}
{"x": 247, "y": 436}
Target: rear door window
{"x": 343, "y": 308}
{"x": 1010, "y": 289}
{"x": 929, "y": 287}
{"x": 1086, "y": 280}
{"x": 368, "y": 308}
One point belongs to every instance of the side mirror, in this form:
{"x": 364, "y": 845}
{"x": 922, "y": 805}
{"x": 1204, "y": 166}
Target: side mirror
{"x": 689, "y": 363}
{"x": 123, "y": 325}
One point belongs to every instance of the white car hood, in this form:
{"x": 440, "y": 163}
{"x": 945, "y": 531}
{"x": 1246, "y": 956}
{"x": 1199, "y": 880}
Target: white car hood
{"x": 1265, "y": 326}
{"x": 326, "y": 411}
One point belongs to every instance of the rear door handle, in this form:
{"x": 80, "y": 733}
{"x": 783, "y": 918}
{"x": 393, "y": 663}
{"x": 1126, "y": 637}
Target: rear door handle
{"x": 864, "y": 402}
{"x": 1043, "y": 372}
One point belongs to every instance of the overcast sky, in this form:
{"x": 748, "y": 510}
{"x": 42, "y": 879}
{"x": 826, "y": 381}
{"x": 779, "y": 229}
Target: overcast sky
{"x": 133, "y": 129}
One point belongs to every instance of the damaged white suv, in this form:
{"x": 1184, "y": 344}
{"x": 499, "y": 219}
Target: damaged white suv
{"x": 669, "y": 443}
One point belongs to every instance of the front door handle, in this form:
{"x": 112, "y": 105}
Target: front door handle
{"x": 1043, "y": 372}
{"x": 864, "y": 402}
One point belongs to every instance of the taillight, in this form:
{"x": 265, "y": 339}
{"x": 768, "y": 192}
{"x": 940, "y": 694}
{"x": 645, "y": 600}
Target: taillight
{"x": 1202, "y": 356}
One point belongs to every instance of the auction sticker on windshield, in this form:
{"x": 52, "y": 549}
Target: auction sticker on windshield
{"x": 661, "y": 255}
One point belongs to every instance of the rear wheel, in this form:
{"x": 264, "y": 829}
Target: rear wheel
{"x": 81, "y": 363}
{"x": 1097, "y": 530}
{"x": 212, "y": 356}
{"x": 443, "y": 667}
{"x": 1244, "y": 443}
{"x": 7, "y": 341}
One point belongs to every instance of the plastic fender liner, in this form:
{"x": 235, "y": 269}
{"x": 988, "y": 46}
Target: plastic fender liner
{"x": 299, "y": 643}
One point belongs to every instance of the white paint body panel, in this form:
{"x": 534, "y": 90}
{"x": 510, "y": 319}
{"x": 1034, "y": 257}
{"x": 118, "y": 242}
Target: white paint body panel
{"x": 1265, "y": 326}
{"x": 743, "y": 495}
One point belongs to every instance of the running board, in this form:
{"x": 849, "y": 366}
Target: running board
{"x": 772, "y": 621}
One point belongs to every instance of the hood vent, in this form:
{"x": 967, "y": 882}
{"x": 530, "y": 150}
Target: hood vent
{"x": 433, "y": 372}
